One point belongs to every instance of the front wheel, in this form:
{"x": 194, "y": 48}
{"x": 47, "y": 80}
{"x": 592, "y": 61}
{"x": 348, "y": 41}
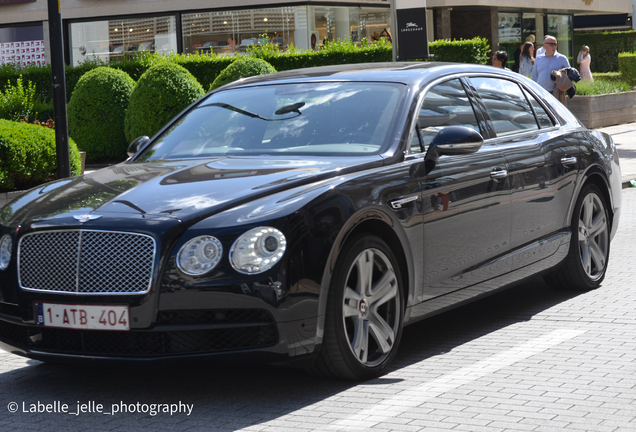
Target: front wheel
{"x": 363, "y": 324}
{"x": 584, "y": 267}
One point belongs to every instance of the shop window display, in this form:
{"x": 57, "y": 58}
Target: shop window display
{"x": 111, "y": 39}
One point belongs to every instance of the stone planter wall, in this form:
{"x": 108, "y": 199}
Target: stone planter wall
{"x": 604, "y": 110}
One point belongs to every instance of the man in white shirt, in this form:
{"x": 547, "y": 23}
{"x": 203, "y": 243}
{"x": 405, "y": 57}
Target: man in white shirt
{"x": 544, "y": 64}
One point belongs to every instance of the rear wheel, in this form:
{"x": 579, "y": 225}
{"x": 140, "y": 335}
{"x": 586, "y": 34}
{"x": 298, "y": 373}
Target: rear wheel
{"x": 363, "y": 325}
{"x": 584, "y": 268}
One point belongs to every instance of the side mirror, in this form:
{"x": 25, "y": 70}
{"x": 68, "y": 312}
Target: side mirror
{"x": 454, "y": 140}
{"x": 136, "y": 145}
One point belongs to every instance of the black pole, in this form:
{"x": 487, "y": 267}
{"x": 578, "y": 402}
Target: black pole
{"x": 58, "y": 79}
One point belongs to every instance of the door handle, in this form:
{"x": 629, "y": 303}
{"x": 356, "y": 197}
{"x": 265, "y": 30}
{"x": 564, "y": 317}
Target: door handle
{"x": 498, "y": 174}
{"x": 567, "y": 161}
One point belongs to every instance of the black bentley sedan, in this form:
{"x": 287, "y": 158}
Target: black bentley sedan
{"x": 305, "y": 217}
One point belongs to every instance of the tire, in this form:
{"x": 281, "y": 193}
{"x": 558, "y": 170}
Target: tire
{"x": 363, "y": 323}
{"x": 584, "y": 267}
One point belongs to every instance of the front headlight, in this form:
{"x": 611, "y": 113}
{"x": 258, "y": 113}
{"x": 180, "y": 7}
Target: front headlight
{"x": 257, "y": 250}
{"x": 5, "y": 251}
{"x": 199, "y": 255}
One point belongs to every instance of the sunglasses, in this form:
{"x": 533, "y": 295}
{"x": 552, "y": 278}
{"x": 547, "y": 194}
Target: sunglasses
{"x": 549, "y": 43}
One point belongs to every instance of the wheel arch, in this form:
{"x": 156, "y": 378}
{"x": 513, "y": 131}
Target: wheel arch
{"x": 375, "y": 222}
{"x": 595, "y": 175}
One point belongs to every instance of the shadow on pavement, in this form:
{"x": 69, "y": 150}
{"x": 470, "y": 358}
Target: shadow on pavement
{"x": 231, "y": 398}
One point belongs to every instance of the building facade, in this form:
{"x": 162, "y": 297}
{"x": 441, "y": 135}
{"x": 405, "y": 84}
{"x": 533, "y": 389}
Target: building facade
{"x": 108, "y": 29}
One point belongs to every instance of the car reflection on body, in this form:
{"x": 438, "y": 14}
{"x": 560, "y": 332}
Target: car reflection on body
{"x": 304, "y": 217}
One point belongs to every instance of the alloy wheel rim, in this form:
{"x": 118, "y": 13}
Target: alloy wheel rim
{"x": 371, "y": 307}
{"x": 593, "y": 236}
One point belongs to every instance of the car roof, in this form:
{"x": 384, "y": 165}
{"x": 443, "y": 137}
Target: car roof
{"x": 410, "y": 73}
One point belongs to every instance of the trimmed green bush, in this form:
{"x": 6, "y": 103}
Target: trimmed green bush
{"x": 243, "y": 67}
{"x": 627, "y": 66}
{"x": 96, "y": 113}
{"x": 18, "y": 102}
{"x": 608, "y": 76}
{"x": 28, "y": 157}
{"x": 162, "y": 92}
{"x": 474, "y": 50}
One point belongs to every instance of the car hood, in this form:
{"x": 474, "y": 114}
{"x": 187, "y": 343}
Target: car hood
{"x": 187, "y": 190}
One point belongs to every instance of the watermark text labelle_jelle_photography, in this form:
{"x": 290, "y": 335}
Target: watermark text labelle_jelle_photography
{"x": 92, "y": 407}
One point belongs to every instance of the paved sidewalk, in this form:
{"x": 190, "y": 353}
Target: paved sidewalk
{"x": 625, "y": 138}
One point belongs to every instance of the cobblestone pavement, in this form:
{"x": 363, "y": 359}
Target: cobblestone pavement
{"x": 528, "y": 359}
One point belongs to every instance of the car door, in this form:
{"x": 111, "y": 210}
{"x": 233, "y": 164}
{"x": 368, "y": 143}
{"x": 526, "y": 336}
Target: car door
{"x": 542, "y": 166}
{"x": 465, "y": 205}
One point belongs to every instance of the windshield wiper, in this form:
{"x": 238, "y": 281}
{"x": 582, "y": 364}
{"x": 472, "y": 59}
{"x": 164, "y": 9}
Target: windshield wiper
{"x": 283, "y": 110}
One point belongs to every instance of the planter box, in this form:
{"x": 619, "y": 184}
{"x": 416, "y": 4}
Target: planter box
{"x": 604, "y": 110}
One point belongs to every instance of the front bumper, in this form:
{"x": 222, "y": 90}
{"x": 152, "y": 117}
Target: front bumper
{"x": 248, "y": 334}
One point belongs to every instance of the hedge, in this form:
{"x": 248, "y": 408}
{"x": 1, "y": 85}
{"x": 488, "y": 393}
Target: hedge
{"x": 476, "y": 50}
{"x": 627, "y": 67}
{"x": 28, "y": 155}
{"x": 604, "y": 48}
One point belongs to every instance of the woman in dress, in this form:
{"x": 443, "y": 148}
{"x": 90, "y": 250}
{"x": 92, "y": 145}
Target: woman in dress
{"x": 584, "y": 61}
{"x": 527, "y": 59}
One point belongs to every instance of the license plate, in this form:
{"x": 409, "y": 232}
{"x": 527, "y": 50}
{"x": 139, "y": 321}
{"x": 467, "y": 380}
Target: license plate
{"x": 87, "y": 317}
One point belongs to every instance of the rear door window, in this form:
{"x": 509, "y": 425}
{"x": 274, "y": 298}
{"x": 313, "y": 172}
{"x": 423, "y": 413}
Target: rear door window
{"x": 506, "y": 105}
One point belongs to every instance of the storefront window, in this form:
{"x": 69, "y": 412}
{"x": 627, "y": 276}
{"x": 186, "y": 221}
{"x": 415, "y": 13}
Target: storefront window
{"x": 509, "y": 27}
{"x": 306, "y": 27}
{"x": 22, "y": 45}
{"x": 350, "y": 23}
{"x": 560, "y": 26}
{"x": 112, "y": 39}
{"x": 229, "y": 32}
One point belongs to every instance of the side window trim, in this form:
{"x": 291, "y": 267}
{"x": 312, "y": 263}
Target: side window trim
{"x": 521, "y": 89}
{"x": 551, "y": 114}
{"x": 485, "y": 125}
{"x": 555, "y": 120}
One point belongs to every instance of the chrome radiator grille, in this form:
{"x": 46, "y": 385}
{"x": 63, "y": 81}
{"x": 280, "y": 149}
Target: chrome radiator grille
{"x": 87, "y": 262}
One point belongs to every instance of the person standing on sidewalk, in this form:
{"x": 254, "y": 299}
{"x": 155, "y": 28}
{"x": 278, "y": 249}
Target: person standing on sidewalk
{"x": 551, "y": 60}
{"x": 527, "y": 59}
{"x": 584, "y": 59}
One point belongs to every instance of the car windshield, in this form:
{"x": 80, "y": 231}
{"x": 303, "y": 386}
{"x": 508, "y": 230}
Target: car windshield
{"x": 336, "y": 118}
